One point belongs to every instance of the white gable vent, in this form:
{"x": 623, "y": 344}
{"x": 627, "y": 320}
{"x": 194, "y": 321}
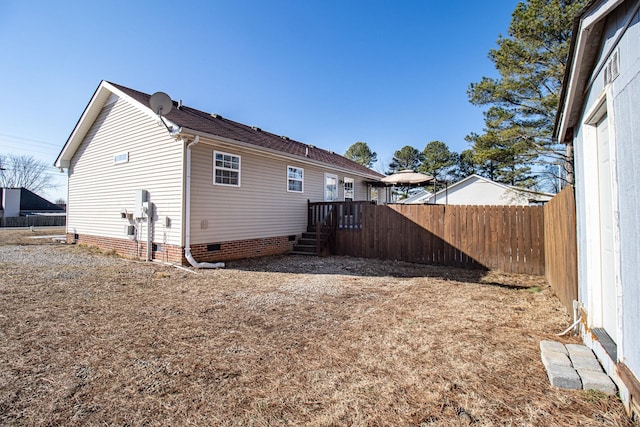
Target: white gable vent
{"x": 121, "y": 158}
{"x": 612, "y": 69}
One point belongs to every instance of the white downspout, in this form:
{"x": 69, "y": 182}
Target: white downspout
{"x": 187, "y": 237}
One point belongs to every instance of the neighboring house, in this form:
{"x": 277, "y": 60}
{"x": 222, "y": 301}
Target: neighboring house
{"x": 420, "y": 197}
{"x": 477, "y": 190}
{"x": 20, "y": 207}
{"x": 215, "y": 189}
{"x": 600, "y": 114}
{"x": 20, "y": 202}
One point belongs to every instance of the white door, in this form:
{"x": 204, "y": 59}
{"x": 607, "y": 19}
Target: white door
{"x": 349, "y": 184}
{"x": 605, "y": 188}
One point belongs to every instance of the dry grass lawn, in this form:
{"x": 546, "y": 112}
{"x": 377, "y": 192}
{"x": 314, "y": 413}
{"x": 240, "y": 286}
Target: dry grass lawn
{"x": 91, "y": 339}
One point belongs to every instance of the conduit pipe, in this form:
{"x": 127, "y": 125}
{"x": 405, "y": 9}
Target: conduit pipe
{"x": 149, "y": 212}
{"x": 187, "y": 215}
{"x": 570, "y": 327}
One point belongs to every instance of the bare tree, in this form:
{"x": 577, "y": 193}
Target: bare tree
{"x": 24, "y": 171}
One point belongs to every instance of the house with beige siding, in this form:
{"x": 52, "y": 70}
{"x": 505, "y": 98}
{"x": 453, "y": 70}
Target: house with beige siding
{"x": 193, "y": 186}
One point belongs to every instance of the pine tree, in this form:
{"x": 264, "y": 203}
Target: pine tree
{"x": 523, "y": 101}
{"x": 407, "y": 157}
{"x": 360, "y": 153}
{"x": 437, "y": 161}
{"x": 465, "y": 165}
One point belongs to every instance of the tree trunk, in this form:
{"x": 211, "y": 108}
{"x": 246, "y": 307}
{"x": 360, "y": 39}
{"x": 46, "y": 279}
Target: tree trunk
{"x": 568, "y": 164}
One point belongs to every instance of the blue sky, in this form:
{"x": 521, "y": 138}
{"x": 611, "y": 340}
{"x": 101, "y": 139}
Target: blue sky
{"x": 328, "y": 73}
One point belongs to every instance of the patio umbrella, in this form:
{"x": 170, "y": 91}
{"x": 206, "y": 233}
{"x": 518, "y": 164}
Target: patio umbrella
{"x": 407, "y": 177}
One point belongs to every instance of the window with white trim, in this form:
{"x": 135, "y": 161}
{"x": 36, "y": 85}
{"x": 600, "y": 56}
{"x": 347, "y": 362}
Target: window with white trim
{"x": 226, "y": 169}
{"x": 295, "y": 179}
{"x": 330, "y": 187}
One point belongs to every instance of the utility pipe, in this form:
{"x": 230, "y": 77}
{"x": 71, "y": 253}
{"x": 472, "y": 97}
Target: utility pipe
{"x": 570, "y": 327}
{"x": 149, "y": 211}
{"x": 187, "y": 215}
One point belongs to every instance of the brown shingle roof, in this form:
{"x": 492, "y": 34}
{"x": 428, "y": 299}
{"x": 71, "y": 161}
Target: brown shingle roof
{"x": 200, "y": 121}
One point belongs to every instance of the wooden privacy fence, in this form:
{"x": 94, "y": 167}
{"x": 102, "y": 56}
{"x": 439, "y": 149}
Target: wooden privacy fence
{"x": 508, "y": 238}
{"x": 520, "y": 239}
{"x": 561, "y": 254}
{"x": 34, "y": 221}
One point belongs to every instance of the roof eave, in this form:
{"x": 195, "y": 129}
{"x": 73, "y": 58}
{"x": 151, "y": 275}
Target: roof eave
{"x": 585, "y": 38}
{"x": 64, "y": 157}
{"x": 88, "y": 117}
{"x": 276, "y": 153}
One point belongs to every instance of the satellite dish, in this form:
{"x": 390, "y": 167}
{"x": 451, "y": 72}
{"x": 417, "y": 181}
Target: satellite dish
{"x": 160, "y": 103}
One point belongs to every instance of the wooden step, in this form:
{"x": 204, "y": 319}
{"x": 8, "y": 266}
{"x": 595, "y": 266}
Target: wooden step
{"x": 304, "y": 249}
{"x": 306, "y": 241}
{"x": 294, "y": 252}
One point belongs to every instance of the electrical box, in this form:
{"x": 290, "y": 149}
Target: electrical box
{"x": 130, "y": 230}
{"x": 166, "y": 221}
{"x": 141, "y": 197}
{"x": 147, "y": 209}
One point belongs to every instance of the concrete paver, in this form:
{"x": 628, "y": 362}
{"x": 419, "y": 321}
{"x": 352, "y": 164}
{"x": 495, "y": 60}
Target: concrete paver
{"x": 576, "y": 350}
{"x": 574, "y": 366}
{"x": 564, "y": 377}
{"x": 589, "y": 363}
{"x": 592, "y": 380}
{"x": 550, "y": 358}
{"x": 547, "y": 345}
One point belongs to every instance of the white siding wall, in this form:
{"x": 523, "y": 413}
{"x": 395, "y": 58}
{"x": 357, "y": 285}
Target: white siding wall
{"x": 624, "y": 110}
{"x": 261, "y": 206}
{"x": 100, "y": 189}
{"x": 626, "y": 102}
{"x": 478, "y": 192}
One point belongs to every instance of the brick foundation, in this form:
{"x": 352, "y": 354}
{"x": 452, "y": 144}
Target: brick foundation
{"x": 207, "y": 252}
{"x": 128, "y": 248}
{"x": 239, "y": 249}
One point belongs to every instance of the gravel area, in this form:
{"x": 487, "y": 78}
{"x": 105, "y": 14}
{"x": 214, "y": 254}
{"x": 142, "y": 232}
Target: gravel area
{"x": 92, "y": 339}
{"x": 50, "y": 256}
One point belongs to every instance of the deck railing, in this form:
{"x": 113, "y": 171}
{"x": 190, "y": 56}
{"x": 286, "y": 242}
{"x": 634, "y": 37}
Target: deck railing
{"x": 348, "y": 214}
{"x": 324, "y": 218}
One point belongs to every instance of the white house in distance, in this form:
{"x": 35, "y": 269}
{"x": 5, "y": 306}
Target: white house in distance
{"x": 600, "y": 114}
{"x": 478, "y": 190}
{"x": 192, "y": 186}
